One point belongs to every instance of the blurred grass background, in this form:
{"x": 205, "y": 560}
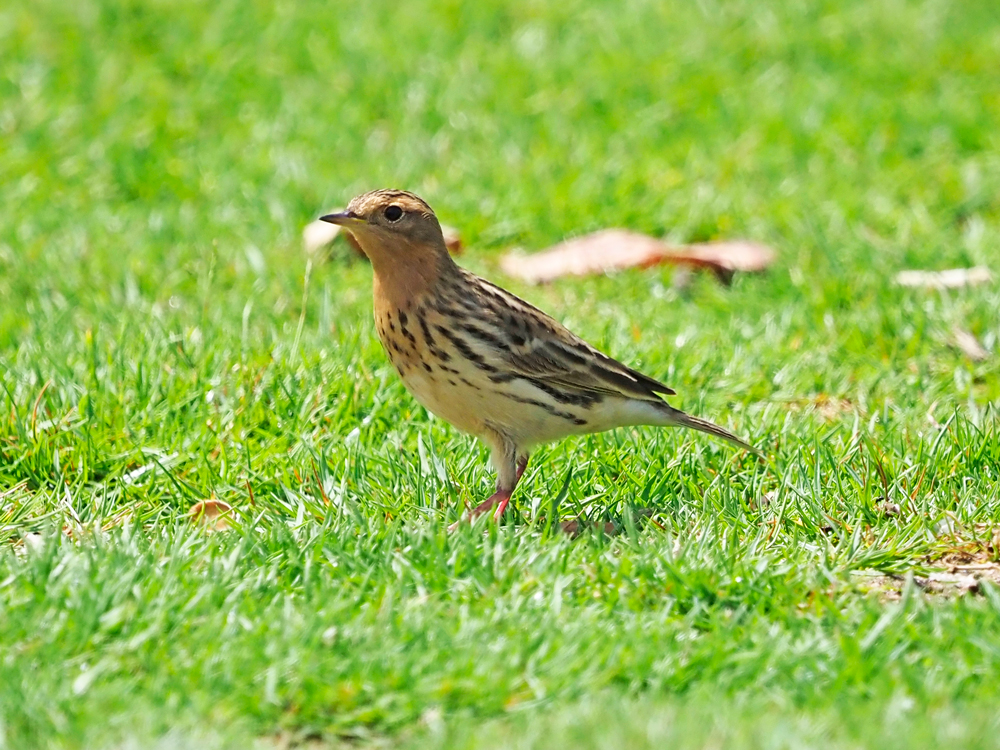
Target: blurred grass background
{"x": 160, "y": 343}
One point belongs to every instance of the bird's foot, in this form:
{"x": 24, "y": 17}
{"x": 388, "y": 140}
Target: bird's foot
{"x": 501, "y": 507}
{"x": 500, "y": 499}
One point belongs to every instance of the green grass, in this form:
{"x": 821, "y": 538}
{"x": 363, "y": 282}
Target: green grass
{"x": 161, "y": 342}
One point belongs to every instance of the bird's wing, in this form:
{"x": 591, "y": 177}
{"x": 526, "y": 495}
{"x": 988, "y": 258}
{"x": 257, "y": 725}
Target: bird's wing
{"x": 565, "y": 363}
{"x": 531, "y": 345}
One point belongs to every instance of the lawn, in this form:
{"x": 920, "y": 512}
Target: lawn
{"x": 163, "y": 340}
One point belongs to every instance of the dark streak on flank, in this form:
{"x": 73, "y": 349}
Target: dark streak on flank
{"x": 547, "y": 407}
{"x": 403, "y": 320}
{"x": 565, "y": 396}
{"x": 485, "y": 336}
{"x": 425, "y": 329}
{"x": 466, "y": 351}
{"x": 457, "y": 309}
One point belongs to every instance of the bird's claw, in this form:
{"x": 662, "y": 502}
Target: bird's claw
{"x": 500, "y": 499}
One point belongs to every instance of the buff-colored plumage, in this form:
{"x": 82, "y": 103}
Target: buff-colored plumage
{"x": 483, "y": 359}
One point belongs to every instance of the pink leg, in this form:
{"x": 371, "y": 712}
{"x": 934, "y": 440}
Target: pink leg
{"x": 500, "y": 498}
{"x": 522, "y": 464}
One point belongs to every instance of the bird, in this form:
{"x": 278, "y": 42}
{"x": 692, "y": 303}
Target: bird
{"x": 483, "y": 359}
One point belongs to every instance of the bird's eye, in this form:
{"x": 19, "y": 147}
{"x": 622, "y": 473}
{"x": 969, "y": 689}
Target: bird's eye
{"x": 393, "y": 213}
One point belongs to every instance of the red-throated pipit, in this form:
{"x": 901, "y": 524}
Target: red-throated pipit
{"x": 484, "y": 360}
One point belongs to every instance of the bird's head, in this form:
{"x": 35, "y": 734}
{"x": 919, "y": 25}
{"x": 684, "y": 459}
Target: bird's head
{"x": 392, "y": 226}
{"x": 402, "y": 238}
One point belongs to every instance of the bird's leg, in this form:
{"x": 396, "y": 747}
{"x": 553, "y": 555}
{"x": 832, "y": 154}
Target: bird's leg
{"x": 510, "y": 466}
{"x": 501, "y": 498}
{"x": 522, "y": 464}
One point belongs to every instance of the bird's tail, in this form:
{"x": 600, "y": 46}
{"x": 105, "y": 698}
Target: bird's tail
{"x": 682, "y": 419}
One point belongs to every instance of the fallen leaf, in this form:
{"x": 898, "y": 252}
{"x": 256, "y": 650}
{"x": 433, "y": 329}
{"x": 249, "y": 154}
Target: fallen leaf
{"x": 953, "y": 278}
{"x": 213, "y": 513}
{"x": 452, "y": 239}
{"x": 969, "y": 345}
{"x": 616, "y": 249}
{"x": 576, "y": 527}
{"x": 317, "y": 235}
{"x": 731, "y": 256}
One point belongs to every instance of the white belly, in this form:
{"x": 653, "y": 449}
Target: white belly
{"x": 517, "y": 409}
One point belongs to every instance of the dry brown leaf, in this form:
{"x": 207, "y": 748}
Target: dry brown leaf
{"x": 616, "y": 249}
{"x": 969, "y": 345}
{"x": 452, "y": 239}
{"x": 577, "y": 526}
{"x": 317, "y": 235}
{"x": 953, "y": 278}
{"x": 213, "y": 513}
{"x": 728, "y": 256}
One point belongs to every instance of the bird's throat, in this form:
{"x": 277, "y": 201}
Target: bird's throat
{"x": 405, "y": 272}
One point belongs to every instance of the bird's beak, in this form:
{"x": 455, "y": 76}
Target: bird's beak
{"x": 344, "y": 218}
